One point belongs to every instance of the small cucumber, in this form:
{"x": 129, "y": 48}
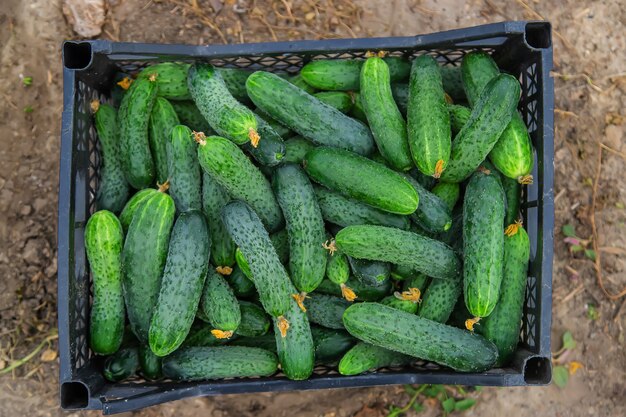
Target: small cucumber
{"x": 365, "y": 357}
{"x": 452, "y": 82}
{"x": 126, "y": 216}
{"x": 184, "y": 170}
{"x": 122, "y": 365}
{"x": 214, "y": 198}
{"x": 448, "y": 192}
{"x": 235, "y": 80}
{"x": 296, "y": 149}
{"x": 113, "y": 189}
{"x": 198, "y": 363}
{"x": 337, "y": 99}
{"x": 362, "y": 179}
{"x": 337, "y": 268}
{"x": 512, "y": 192}
{"x": 220, "y": 305}
{"x": 162, "y": 120}
{"x": 325, "y": 310}
{"x": 190, "y": 116}
{"x": 400, "y": 304}
{"x": 459, "y": 115}
{"x": 200, "y": 335}
{"x": 271, "y": 150}
{"x": 433, "y": 213}
{"x": 330, "y": 344}
{"x": 171, "y": 79}
{"x": 383, "y": 116}
{"x": 104, "y": 239}
{"x": 439, "y": 299}
{"x": 372, "y": 273}
{"x": 182, "y": 282}
{"x": 363, "y": 292}
{"x": 241, "y": 285}
{"x": 149, "y": 363}
{"x": 254, "y": 321}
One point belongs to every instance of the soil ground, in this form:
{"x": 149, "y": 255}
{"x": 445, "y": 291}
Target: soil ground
{"x": 589, "y": 85}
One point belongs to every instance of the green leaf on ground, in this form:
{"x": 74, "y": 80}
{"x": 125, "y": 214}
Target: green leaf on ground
{"x": 591, "y": 254}
{"x": 568, "y": 340}
{"x": 568, "y": 230}
{"x": 464, "y": 404}
{"x": 592, "y": 312}
{"x": 448, "y": 405}
{"x": 560, "y": 376}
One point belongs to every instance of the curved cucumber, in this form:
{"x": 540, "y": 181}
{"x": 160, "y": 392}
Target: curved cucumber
{"x": 271, "y": 150}
{"x": 433, "y": 213}
{"x": 428, "y": 119}
{"x": 365, "y": 357}
{"x": 448, "y": 192}
{"x": 232, "y": 169}
{"x": 330, "y": 344}
{"x": 220, "y": 305}
{"x": 325, "y": 310}
{"x": 104, "y": 239}
{"x": 280, "y": 242}
{"x": 240, "y": 283}
{"x": 254, "y": 321}
{"x": 121, "y": 365}
{"x": 459, "y": 115}
{"x": 162, "y": 120}
{"x": 306, "y": 115}
{"x": 149, "y": 363}
{"x": 184, "y": 171}
{"x": 439, "y": 299}
{"x": 412, "y": 335}
{"x": 296, "y": 149}
{"x": 337, "y": 99}
{"x": 362, "y": 291}
{"x": 113, "y": 188}
{"x": 404, "y": 305}
{"x": 214, "y": 198}
{"x": 383, "y": 116}
{"x": 371, "y": 273}
{"x": 126, "y": 216}
{"x": 190, "y": 116}
{"x": 227, "y": 116}
{"x": 362, "y": 179}
{"x": 171, "y": 79}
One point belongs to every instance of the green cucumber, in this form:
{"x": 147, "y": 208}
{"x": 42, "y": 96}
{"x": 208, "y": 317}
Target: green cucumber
{"x": 397, "y": 246}
{"x": 133, "y": 118}
{"x": 143, "y": 259}
{"x": 199, "y": 363}
{"x": 365, "y": 357}
{"x": 104, "y": 239}
{"x": 362, "y": 179}
{"x": 281, "y": 130}
{"x": 171, "y": 79}
{"x": 306, "y": 115}
{"x": 184, "y": 170}
{"x": 362, "y": 291}
{"x": 235, "y": 80}
{"x": 490, "y": 116}
{"x": 432, "y": 214}
{"x": 113, "y": 189}
{"x": 325, "y": 310}
{"x": 428, "y": 119}
{"x": 126, "y": 216}
{"x": 162, "y": 120}
{"x": 232, "y": 169}
{"x": 220, "y": 305}
{"x": 305, "y": 227}
{"x": 513, "y": 194}
{"x": 371, "y": 273}
{"x": 243, "y": 265}
{"x": 337, "y": 268}
{"x": 412, "y": 335}
{"x": 459, "y": 115}
{"x": 182, "y": 282}
{"x": 426, "y": 181}
{"x": 299, "y": 82}
{"x": 477, "y": 69}
{"x": 190, "y": 116}
{"x": 400, "y": 304}
{"x": 241, "y": 285}
{"x": 200, "y": 335}
{"x": 357, "y": 108}
{"x": 296, "y": 149}
{"x": 384, "y": 118}
{"x": 280, "y": 242}
{"x": 330, "y": 344}
{"x": 270, "y": 278}
{"x": 214, "y": 198}
{"x": 267, "y": 342}
{"x": 227, "y": 116}
{"x": 448, "y": 192}
{"x": 483, "y": 242}
{"x": 254, "y": 321}
{"x": 271, "y": 150}
{"x": 452, "y": 82}
{"x": 400, "y": 94}
{"x": 337, "y": 99}
{"x": 454, "y": 235}
{"x": 439, "y": 299}
{"x": 122, "y": 365}
{"x": 417, "y": 280}
{"x": 149, "y": 363}
{"x": 343, "y": 211}
{"x": 502, "y": 326}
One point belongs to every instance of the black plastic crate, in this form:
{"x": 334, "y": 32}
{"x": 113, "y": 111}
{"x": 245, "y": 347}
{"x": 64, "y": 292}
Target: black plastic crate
{"x": 523, "y": 49}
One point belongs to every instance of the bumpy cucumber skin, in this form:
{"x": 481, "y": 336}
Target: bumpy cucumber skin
{"x": 452, "y": 82}
{"x": 182, "y": 282}
{"x": 337, "y": 268}
{"x": 227, "y": 116}
{"x": 383, "y": 116}
{"x": 281, "y": 130}
{"x": 200, "y": 335}
{"x": 483, "y": 243}
{"x": 162, "y": 120}
{"x": 240, "y": 283}
{"x": 271, "y": 150}
{"x": 490, "y": 116}
{"x": 149, "y": 363}
{"x": 121, "y": 365}
{"x": 143, "y": 259}
{"x": 428, "y": 118}
{"x": 235, "y": 80}
{"x": 400, "y": 94}
{"x": 366, "y": 357}
{"x": 448, "y": 192}
{"x": 404, "y": 305}
{"x": 330, "y": 344}
{"x": 426, "y": 181}
{"x": 371, "y": 273}
{"x": 306, "y": 115}
{"x": 305, "y": 227}
{"x": 243, "y": 265}
{"x": 280, "y": 241}
{"x": 190, "y": 116}
{"x": 270, "y": 277}
{"x": 415, "y": 336}
{"x": 299, "y": 82}
{"x": 502, "y": 326}
{"x": 325, "y": 310}
{"x": 214, "y": 198}
{"x": 198, "y": 363}
{"x": 104, "y": 239}
{"x": 397, "y": 246}
{"x": 439, "y": 299}
{"x": 459, "y": 115}
{"x": 512, "y": 192}
{"x": 267, "y": 342}
{"x": 184, "y": 170}
{"x": 113, "y": 188}
{"x": 296, "y": 149}
{"x": 133, "y": 118}
{"x": 343, "y": 211}
{"x": 337, "y": 99}
{"x": 232, "y": 169}
{"x": 433, "y": 213}
{"x": 171, "y": 79}
{"x": 254, "y": 321}
{"x": 477, "y": 69}
{"x": 362, "y": 179}
{"x": 363, "y": 292}
{"x": 126, "y": 216}
{"x": 357, "y": 109}
{"x": 219, "y": 303}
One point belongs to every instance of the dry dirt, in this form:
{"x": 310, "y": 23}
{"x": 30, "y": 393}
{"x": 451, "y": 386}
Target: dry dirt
{"x": 589, "y": 59}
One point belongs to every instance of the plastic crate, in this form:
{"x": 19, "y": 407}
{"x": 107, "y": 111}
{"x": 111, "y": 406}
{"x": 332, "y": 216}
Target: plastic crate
{"x": 523, "y": 49}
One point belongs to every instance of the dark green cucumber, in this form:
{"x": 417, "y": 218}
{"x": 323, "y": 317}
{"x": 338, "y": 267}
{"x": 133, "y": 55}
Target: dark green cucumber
{"x": 383, "y": 116}
{"x": 343, "y": 211}
{"x": 171, "y": 79}
{"x": 149, "y": 363}
{"x": 400, "y": 94}
{"x": 190, "y": 116}
{"x": 417, "y": 280}
{"x": 243, "y": 265}
{"x": 362, "y": 179}
{"x": 113, "y": 189}
{"x": 365, "y": 357}
{"x": 502, "y": 326}
{"x": 162, "y": 120}
{"x": 306, "y": 115}
{"x": 126, "y": 216}
{"x": 271, "y": 150}
{"x": 280, "y": 242}
{"x": 133, "y": 118}
{"x": 267, "y": 342}
{"x": 412, "y": 335}
{"x": 296, "y": 149}
{"x": 182, "y": 282}
{"x": 448, "y": 192}
{"x": 490, "y": 116}
{"x": 143, "y": 259}
{"x": 483, "y": 242}
{"x": 330, "y": 344}
{"x": 270, "y": 278}
{"x": 305, "y": 227}
{"x": 397, "y": 246}
{"x": 357, "y": 108}
{"x": 227, "y": 116}
{"x": 512, "y": 192}
{"x": 362, "y": 291}
{"x": 122, "y": 364}
{"x": 325, "y": 310}
{"x": 198, "y": 363}
{"x": 200, "y": 335}
{"x": 453, "y": 82}
{"x": 104, "y": 239}
{"x": 241, "y": 285}
{"x": 433, "y": 213}
{"x": 185, "y": 176}
{"x": 214, "y": 198}
{"x": 439, "y": 299}
{"x": 427, "y": 181}
{"x": 220, "y": 305}
{"x": 400, "y": 304}
{"x": 340, "y": 100}
{"x": 428, "y": 119}
{"x": 281, "y": 130}
{"x": 254, "y": 321}
{"x": 371, "y": 273}
{"x": 232, "y": 169}
{"x": 299, "y": 82}
{"x": 477, "y": 69}
{"x": 454, "y": 235}
{"x": 459, "y": 115}
{"x": 235, "y": 80}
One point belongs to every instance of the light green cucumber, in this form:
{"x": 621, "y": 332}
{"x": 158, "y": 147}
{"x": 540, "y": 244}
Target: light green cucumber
{"x": 214, "y": 198}
{"x": 220, "y": 305}
{"x": 185, "y": 177}
{"x": 162, "y": 120}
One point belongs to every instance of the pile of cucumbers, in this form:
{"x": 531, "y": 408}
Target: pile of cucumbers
{"x": 249, "y": 221}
